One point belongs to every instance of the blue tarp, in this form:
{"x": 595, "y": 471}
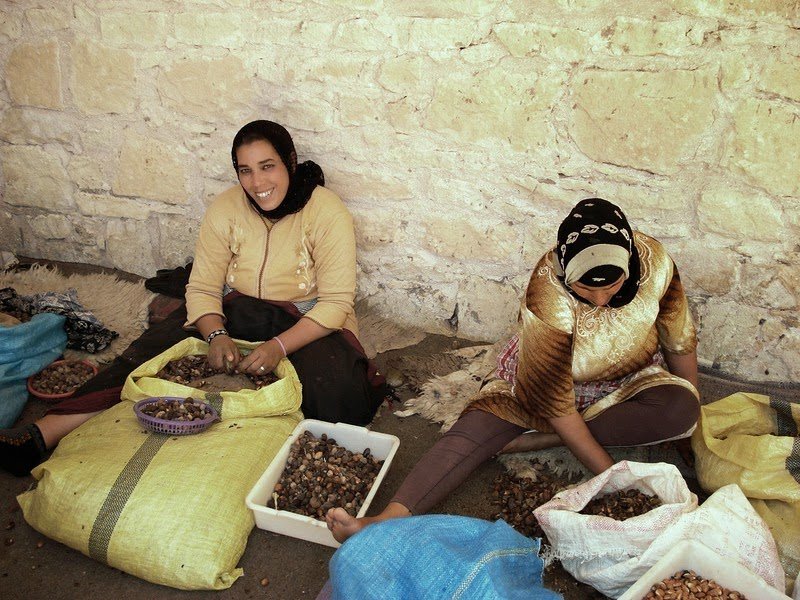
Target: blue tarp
{"x": 438, "y": 556}
{"x": 26, "y": 349}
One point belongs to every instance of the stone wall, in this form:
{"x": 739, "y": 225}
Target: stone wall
{"x": 459, "y": 132}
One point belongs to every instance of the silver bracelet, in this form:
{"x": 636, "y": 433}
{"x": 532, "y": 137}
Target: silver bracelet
{"x": 215, "y": 333}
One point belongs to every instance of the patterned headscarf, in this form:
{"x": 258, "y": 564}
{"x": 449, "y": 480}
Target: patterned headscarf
{"x": 595, "y": 247}
{"x": 303, "y": 177}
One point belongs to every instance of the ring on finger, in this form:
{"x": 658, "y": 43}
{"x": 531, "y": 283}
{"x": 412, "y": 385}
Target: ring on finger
{"x": 261, "y": 369}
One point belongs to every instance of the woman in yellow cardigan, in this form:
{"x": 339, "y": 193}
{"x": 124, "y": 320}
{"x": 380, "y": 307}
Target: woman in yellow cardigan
{"x": 275, "y": 263}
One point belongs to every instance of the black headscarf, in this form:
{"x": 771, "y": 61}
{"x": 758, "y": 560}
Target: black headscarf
{"x": 303, "y": 177}
{"x": 595, "y": 247}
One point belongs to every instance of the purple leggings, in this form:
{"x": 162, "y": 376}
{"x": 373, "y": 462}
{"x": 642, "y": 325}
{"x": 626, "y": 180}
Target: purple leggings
{"x": 654, "y": 414}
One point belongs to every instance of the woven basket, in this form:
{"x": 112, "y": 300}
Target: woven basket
{"x": 168, "y": 427}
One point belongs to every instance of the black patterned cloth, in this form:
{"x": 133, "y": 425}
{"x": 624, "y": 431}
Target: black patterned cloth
{"x": 84, "y": 331}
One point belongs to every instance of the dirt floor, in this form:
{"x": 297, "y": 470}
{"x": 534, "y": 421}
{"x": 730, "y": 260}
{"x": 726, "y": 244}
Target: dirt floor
{"x": 275, "y": 566}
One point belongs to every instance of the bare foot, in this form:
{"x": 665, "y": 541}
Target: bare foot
{"x": 342, "y": 524}
{"x": 531, "y": 441}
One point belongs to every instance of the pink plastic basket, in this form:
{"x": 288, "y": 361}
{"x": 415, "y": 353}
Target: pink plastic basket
{"x": 168, "y": 427}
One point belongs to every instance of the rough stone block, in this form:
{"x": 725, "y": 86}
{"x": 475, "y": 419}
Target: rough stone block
{"x": 130, "y": 245}
{"x": 208, "y": 88}
{"x": 506, "y": 105}
{"x": 735, "y": 71}
{"x": 46, "y": 20}
{"x": 358, "y": 186}
{"x": 30, "y": 126}
{"x": 97, "y": 205}
{"x": 35, "y": 177}
{"x": 487, "y": 310}
{"x": 33, "y": 75}
{"x": 441, "y": 8}
{"x": 648, "y": 121}
{"x": 468, "y": 239}
{"x": 210, "y": 29}
{"x": 428, "y": 35}
{"x": 143, "y": 29}
{"x": 781, "y": 76}
{"x": 104, "y": 80}
{"x": 408, "y": 74}
{"x": 10, "y": 232}
{"x": 378, "y": 229}
{"x": 640, "y": 37}
{"x": 52, "y": 227}
{"x": 778, "y": 10}
{"x": 149, "y": 168}
{"x": 88, "y": 174}
{"x": 770, "y": 285}
{"x": 530, "y": 39}
{"x": 10, "y": 25}
{"x": 737, "y": 215}
{"x": 704, "y": 269}
{"x": 360, "y": 34}
{"x": 178, "y": 238}
{"x": 766, "y": 145}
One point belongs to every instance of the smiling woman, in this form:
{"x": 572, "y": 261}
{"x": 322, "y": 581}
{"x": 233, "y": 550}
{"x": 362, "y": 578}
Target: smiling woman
{"x": 275, "y": 263}
{"x": 280, "y": 245}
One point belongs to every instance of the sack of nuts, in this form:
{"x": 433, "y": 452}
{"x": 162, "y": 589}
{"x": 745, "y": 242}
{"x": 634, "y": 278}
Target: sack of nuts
{"x": 281, "y": 397}
{"x": 599, "y": 528}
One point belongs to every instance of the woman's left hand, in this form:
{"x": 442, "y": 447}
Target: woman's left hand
{"x": 261, "y": 360}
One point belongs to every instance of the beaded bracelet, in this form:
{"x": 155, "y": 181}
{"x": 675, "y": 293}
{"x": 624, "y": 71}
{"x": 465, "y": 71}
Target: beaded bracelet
{"x": 280, "y": 343}
{"x": 215, "y": 333}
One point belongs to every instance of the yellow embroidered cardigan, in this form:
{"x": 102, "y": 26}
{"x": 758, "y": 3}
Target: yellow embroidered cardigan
{"x": 306, "y": 255}
{"x": 564, "y": 340}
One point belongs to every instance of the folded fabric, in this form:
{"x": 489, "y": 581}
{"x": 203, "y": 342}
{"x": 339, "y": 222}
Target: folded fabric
{"x": 438, "y": 556}
{"x": 84, "y": 330}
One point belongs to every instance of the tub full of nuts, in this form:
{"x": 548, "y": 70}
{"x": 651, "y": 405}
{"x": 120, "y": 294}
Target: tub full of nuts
{"x": 60, "y": 379}
{"x": 174, "y": 416}
{"x": 320, "y": 466}
{"x": 692, "y": 570}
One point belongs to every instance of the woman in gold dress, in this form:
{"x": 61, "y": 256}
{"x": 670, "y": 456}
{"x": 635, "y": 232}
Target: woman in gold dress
{"x": 605, "y": 356}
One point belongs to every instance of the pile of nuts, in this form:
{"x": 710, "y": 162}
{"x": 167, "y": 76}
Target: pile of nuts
{"x": 622, "y": 504}
{"x": 62, "y": 377}
{"x": 177, "y": 410}
{"x": 191, "y": 370}
{"x": 688, "y": 585}
{"x": 516, "y": 498}
{"x": 320, "y": 475}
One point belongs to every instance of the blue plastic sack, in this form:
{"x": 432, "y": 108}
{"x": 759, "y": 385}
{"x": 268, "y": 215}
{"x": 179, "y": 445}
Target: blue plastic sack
{"x": 26, "y": 349}
{"x": 438, "y": 556}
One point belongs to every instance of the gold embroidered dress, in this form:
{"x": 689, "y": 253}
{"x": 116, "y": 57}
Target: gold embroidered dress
{"x": 564, "y": 341}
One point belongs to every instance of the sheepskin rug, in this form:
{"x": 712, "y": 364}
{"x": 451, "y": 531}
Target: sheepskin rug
{"x": 121, "y": 306}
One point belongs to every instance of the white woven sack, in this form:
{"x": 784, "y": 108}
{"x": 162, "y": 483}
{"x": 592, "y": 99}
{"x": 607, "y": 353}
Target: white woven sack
{"x": 728, "y": 524}
{"x": 603, "y": 552}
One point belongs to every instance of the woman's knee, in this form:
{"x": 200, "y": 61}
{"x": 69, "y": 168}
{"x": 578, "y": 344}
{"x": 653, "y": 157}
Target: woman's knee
{"x": 680, "y": 408}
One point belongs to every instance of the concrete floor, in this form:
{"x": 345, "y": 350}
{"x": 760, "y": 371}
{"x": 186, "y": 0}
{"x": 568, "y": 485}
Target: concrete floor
{"x": 32, "y": 566}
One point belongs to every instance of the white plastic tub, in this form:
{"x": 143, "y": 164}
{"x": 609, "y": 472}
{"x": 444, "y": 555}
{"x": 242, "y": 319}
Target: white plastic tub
{"x": 356, "y": 439}
{"x": 697, "y": 557}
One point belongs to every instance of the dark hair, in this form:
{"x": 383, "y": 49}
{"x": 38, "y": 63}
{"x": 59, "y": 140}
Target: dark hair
{"x": 303, "y": 177}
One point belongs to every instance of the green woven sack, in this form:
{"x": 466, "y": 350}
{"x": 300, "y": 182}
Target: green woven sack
{"x": 141, "y": 502}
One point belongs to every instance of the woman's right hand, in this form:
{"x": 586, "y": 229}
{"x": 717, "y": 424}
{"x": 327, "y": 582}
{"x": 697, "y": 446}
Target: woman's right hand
{"x": 223, "y": 354}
